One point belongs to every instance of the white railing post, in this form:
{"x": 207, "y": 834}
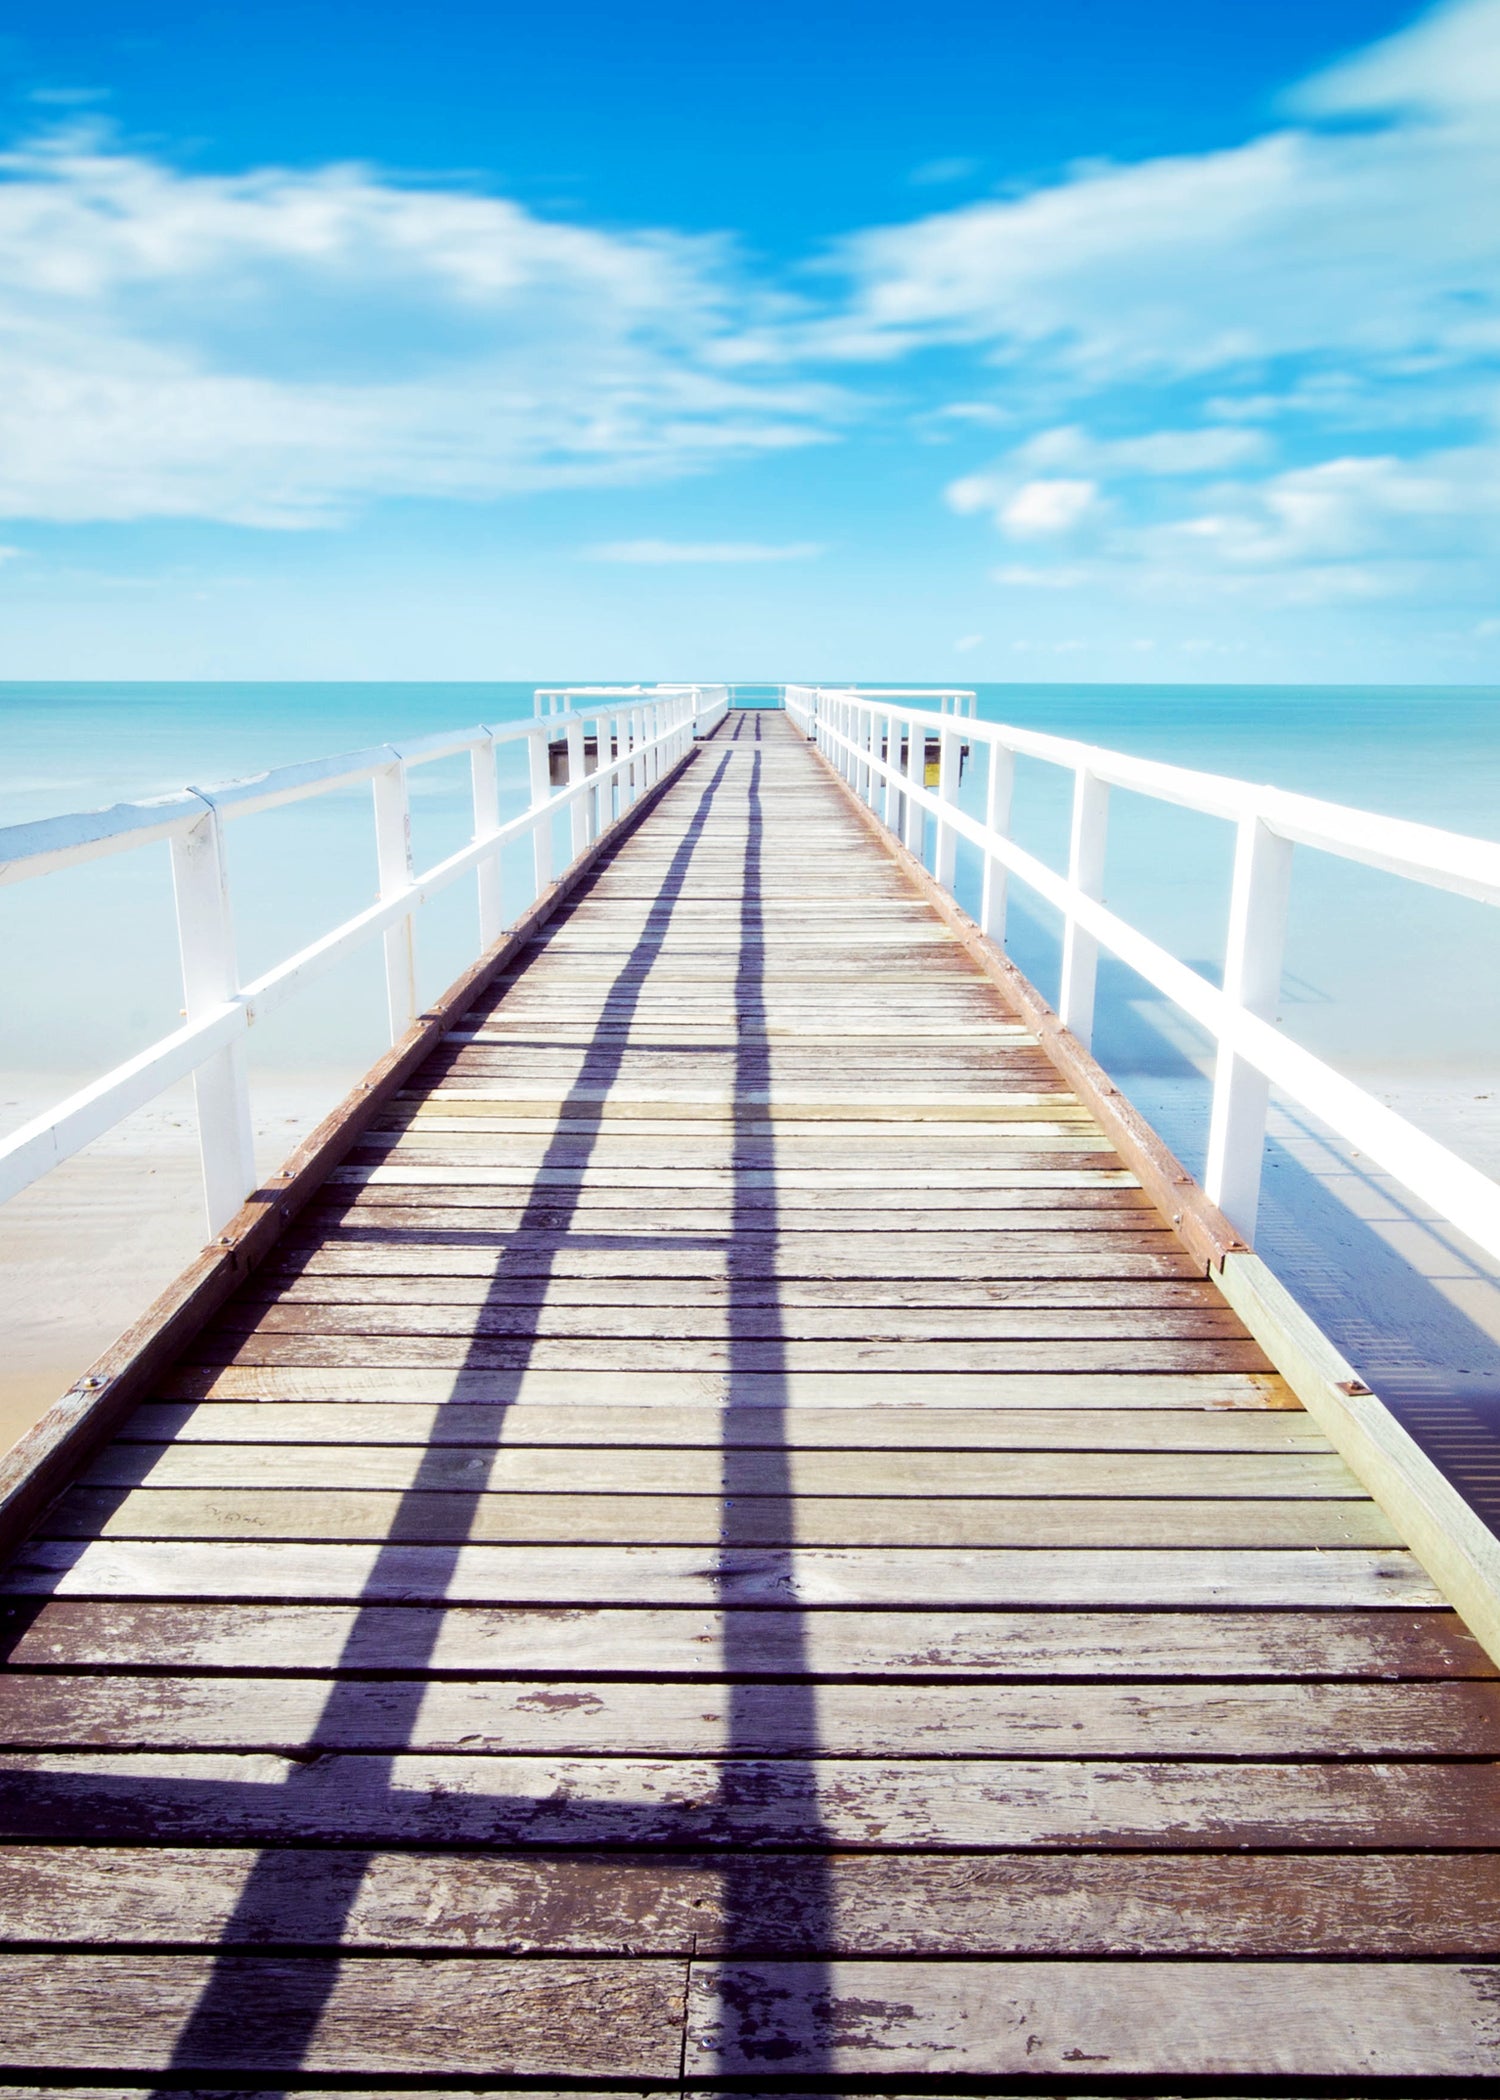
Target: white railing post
{"x": 221, "y": 1085}
{"x": 916, "y": 766}
{"x": 539, "y": 773}
{"x": 394, "y": 864}
{"x": 578, "y": 808}
{"x": 891, "y": 807}
{"x": 1080, "y": 956}
{"x": 1252, "y": 982}
{"x": 484, "y": 779}
{"x": 597, "y": 818}
{"x": 637, "y": 763}
{"x": 999, "y": 790}
{"x": 950, "y": 759}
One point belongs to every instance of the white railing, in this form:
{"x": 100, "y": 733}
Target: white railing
{"x": 559, "y": 699}
{"x": 639, "y": 732}
{"x": 862, "y": 734}
{"x": 949, "y": 700}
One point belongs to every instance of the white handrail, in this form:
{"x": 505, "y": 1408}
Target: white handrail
{"x": 634, "y": 746}
{"x": 862, "y": 733}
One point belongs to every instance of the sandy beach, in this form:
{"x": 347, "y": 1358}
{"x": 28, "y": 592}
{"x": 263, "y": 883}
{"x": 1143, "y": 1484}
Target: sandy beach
{"x": 85, "y": 1250}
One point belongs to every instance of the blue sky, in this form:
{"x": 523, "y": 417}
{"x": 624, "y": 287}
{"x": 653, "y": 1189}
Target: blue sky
{"x": 1091, "y": 341}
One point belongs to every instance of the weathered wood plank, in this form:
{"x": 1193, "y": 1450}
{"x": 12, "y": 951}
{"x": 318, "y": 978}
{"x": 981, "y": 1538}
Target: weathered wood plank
{"x": 650, "y": 1643}
{"x": 296, "y": 1283}
{"x": 468, "y": 1141}
{"x": 699, "y": 1471}
{"x": 935, "y": 1804}
{"x": 1021, "y": 1579}
{"x": 357, "y": 1353}
{"x": 1036, "y": 2019}
{"x": 971, "y": 1432}
{"x": 612, "y": 1718}
{"x": 775, "y": 1181}
{"x": 411, "y": 1313}
{"x": 715, "y": 1262}
{"x": 422, "y": 1517}
{"x": 782, "y": 1390}
{"x": 1393, "y": 1904}
{"x": 233, "y": 2015}
{"x": 705, "y": 1218}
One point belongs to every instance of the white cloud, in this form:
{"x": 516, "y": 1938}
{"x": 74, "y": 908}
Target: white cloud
{"x": 1446, "y": 62}
{"x": 966, "y": 642}
{"x": 278, "y": 347}
{"x": 1040, "y": 508}
{"x": 658, "y": 553}
{"x": 1372, "y": 242}
{"x": 1025, "y": 509}
{"x": 1442, "y": 508}
{"x": 1205, "y": 450}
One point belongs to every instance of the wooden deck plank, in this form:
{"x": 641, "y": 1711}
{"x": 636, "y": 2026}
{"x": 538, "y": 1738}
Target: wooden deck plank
{"x": 928, "y": 1578}
{"x": 648, "y": 1644}
{"x": 884, "y": 2019}
{"x": 603, "y": 1717}
{"x": 683, "y": 1803}
{"x": 413, "y": 1313}
{"x": 426, "y": 1517}
{"x": 766, "y": 1470}
{"x": 785, "y": 1391}
{"x": 1397, "y": 1905}
{"x": 973, "y": 1433}
{"x": 516, "y": 2019}
{"x": 359, "y": 1352}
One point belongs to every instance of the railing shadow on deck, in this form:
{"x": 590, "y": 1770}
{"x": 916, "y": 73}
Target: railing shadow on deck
{"x": 270, "y": 2014}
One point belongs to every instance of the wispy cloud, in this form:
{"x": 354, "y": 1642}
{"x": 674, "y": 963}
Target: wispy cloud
{"x": 660, "y": 553}
{"x": 279, "y": 347}
{"x": 1368, "y": 240}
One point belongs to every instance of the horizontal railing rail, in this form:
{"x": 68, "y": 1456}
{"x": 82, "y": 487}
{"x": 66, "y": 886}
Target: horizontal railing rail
{"x": 558, "y": 699}
{"x": 949, "y": 700}
{"x": 637, "y": 732}
{"x": 865, "y": 736}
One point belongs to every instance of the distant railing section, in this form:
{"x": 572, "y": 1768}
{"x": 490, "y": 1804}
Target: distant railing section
{"x": 637, "y": 733}
{"x": 879, "y": 743}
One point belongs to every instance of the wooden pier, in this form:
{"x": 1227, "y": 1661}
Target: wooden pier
{"x": 728, "y": 1543}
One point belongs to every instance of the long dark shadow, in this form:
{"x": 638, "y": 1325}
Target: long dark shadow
{"x": 242, "y": 1997}
{"x": 767, "y": 1640}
